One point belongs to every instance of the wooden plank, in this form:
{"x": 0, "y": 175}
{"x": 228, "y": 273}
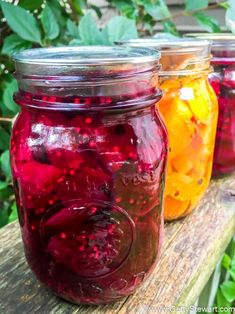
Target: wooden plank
{"x": 191, "y": 249}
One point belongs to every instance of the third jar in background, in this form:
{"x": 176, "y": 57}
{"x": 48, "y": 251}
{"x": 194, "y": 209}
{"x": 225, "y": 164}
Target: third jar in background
{"x": 189, "y": 108}
{"x": 222, "y": 80}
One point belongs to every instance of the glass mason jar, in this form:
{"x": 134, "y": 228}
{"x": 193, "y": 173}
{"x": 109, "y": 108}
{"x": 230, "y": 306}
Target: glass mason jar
{"x": 222, "y": 80}
{"x": 88, "y": 156}
{"x": 189, "y": 109}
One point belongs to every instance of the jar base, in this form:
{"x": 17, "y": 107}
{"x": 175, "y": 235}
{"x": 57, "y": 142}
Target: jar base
{"x": 81, "y": 302}
{"x": 87, "y": 303}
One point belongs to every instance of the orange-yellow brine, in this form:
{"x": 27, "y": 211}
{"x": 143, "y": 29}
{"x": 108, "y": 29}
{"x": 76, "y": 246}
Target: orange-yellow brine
{"x": 189, "y": 109}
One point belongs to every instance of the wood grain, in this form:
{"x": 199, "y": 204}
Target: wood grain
{"x": 191, "y": 249}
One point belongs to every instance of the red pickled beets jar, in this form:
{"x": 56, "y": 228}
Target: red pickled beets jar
{"x": 88, "y": 156}
{"x": 223, "y": 82}
{"x": 222, "y": 79}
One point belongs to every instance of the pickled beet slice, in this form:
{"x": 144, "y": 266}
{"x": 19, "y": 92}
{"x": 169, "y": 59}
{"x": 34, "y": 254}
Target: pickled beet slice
{"x": 21, "y": 152}
{"x": 224, "y": 161}
{"x": 57, "y": 146}
{"x": 229, "y": 76}
{"x": 40, "y": 154}
{"x": 215, "y": 83}
{"x": 117, "y": 143}
{"x": 86, "y": 179}
{"x": 37, "y": 177}
{"x": 65, "y": 159}
{"x": 87, "y": 239}
{"x": 136, "y": 191}
{"x": 38, "y": 182}
{"x": 147, "y": 245}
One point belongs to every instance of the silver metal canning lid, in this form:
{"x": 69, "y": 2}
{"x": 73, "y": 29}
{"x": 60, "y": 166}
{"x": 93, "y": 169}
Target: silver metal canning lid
{"x": 218, "y": 39}
{"x": 171, "y": 45}
{"x": 86, "y": 56}
{"x": 181, "y": 56}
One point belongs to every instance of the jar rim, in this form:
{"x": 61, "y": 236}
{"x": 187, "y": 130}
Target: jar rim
{"x": 223, "y": 45}
{"x": 211, "y": 36}
{"x": 168, "y": 45}
{"x": 86, "y": 56}
{"x": 181, "y": 56}
{"x": 218, "y": 39}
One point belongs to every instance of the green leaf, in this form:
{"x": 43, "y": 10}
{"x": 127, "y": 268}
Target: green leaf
{"x": 4, "y": 210}
{"x": 191, "y": 5}
{"x": 170, "y": 27}
{"x": 4, "y": 111}
{"x": 233, "y": 263}
{"x": 226, "y": 261}
{"x": 21, "y": 22}
{"x": 232, "y": 273}
{"x": 230, "y": 16}
{"x": 148, "y": 23}
{"x": 14, "y": 214}
{"x": 228, "y": 290}
{"x": 5, "y": 164}
{"x": 89, "y": 32}
{"x": 72, "y": 29}
{"x": 97, "y": 10}
{"x": 208, "y": 22}
{"x": 49, "y": 23}
{"x": 31, "y": 5}
{"x": 105, "y": 36}
{"x": 76, "y": 42}
{"x": 212, "y": 287}
{"x": 5, "y": 193}
{"x": 224, "y": 5}
{"x": 9, "y": 90}
{"x": 127, "y": 8}
{"x": 79, "y": 5}
{"x": 4, "y": 139}
{"x": 157, "y": 10}
{"x": 13, "y": 43}
{"x": 222, "y": 302}
{"x": 3, "y": 185}
{"x": 58, "y": 12}
{"x": 230, "y": 20}
{"x": 121, "y": 28}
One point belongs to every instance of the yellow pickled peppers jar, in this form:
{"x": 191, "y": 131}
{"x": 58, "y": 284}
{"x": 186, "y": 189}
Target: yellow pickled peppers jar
{"x": 189, "y": 109}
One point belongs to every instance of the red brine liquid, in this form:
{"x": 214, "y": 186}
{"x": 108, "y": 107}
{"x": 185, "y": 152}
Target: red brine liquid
{"x": 89, "y": 188}
{"x": 223, "y": 83}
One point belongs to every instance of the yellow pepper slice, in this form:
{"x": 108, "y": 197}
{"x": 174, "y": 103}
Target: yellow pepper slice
{"x": 189, "y": 110}
{"x": 183, "y": 187}
{"x": 177, "y": 117}
{"x": 175, "y": 208}
{"x": 198, "y": 99}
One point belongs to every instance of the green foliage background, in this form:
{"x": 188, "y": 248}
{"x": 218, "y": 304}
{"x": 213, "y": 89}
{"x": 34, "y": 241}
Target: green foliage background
{"x": 44, "y": 23}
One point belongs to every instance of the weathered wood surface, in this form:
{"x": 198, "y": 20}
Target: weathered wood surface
{"x": 191, "y": 249}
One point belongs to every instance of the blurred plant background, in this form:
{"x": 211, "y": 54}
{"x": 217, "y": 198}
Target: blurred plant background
{"x": 40, "y": 23}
